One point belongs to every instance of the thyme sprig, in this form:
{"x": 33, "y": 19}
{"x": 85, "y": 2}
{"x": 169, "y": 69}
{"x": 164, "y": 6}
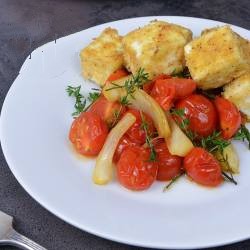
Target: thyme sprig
{"x": 80, "y": 100}
{"x": 214, "y": 142}
{"x": 243, "y": 134}
{"x": 181, "y": 113}
{"x": 130, "y": 85}
{"x": 117, "y": 114}
{"x": 144, "y": 126}
{"x": 229, "y": 178}
{"x": 93, "y": 96}
{"x": 183, "y": 122}
{"x": 172, "y": 181}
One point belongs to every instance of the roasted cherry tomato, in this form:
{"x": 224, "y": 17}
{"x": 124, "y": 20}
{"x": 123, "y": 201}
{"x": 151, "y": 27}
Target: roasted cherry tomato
{"x": 229, "y": 117}
{"x": 134, "y": 170}
{"x": 169, "y": 166}
{"x": 124, "y": 143}
{"x": 120, "y": 73}
{"x": 88, "y": 133}
{"x": 203, "y": 168}
{"x": 136, "y": 133}
{"x": 108, "y": 111}
{"x": 200, "y": 112}
{"x": 149, "y": 86}
{"x": 163, "y": 93}
{"x": 183, "y": 87}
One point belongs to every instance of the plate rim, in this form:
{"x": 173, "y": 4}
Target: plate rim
{"x": 54, "y": 210}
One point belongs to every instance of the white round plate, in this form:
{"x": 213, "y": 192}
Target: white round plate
{"x": 35, "y": 121}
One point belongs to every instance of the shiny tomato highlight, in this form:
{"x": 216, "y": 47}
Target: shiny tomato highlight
{"x": 136, "y": 133}
{"x": 163, "y": 93}
{"x": 88, "y": 133}
{"x": 124, "y": 143}
{"x": 169, "y": 166}
{"x": 107, "y": 110}
{"x": 183, "y": 87}
{"x": 149, "y": 86}
{"x": 229, "y": 117}
{"x": 203, "y": 168}
{"x": 134, "y": 170}
{"x": 200, "y": 112}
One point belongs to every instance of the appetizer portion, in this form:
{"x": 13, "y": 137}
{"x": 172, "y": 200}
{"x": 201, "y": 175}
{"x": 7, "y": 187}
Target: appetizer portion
{"x": 157, "y": 48}
{"x": 157, "y": 120}
{"x": 217, "y": 57}
{"x": 102, "y": 56}
{"x": 158, "y": 133}
{"x": 238, "y": 92}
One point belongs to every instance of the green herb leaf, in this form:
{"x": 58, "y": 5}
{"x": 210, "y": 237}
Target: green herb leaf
{"x": 130, "y": 85}
{"x": 117, "y": 114}
{"x": 80, "y": 100}
{"x": 243, "y": 134}
{"x": 214, "y": 142}
{"x": 144, "y": 126}
{"x": 184, "y": 122}
{"x": 93, "y": 96}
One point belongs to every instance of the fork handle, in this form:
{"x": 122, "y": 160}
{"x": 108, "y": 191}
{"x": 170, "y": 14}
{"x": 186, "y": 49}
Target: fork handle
{"x": 15, "y": 239}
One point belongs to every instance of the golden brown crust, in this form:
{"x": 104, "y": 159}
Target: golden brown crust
{"x": 102, "y": 56}
{"x": 238, "y": 92}
{"x": 217, "y": 57}
{"x": 157, "y": 47}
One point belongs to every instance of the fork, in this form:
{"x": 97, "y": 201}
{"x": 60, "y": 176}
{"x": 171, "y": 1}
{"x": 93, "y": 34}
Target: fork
{"x": 8, "y": 236}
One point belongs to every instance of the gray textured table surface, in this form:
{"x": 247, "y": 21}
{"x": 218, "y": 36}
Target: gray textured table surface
{"x": 26, "y": 24}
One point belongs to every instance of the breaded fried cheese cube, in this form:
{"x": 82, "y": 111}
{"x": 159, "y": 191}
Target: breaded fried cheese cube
{"x": 217, "y": 57}
{"x": 238, "y": 92}
{"x": 157, "y": 48}
{"x": 102, "y": 56}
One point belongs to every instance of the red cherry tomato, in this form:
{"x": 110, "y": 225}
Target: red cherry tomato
{"x": 134, "y": 170}
{"x": 123, "y": 144}
{"x": 120, "y": 73}
{"x": 163, "y": 93}
{"x": 107, "y": 110}
{"x": 136, "y": 133}
{"x": 149, "y": 86}
{"x": 88, "y": 133}
{"x": 200, "y": 112}
{"x": 169, "y": 166}
{"x": 183, "y": 87}
{"x": 229, "y": 117}
{"x": 203, "y": 168}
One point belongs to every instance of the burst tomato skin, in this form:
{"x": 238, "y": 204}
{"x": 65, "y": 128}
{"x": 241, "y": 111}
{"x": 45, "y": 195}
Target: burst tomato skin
{"x": 120, "y": 73}
{"x": 134, "y": 170}
{"x": 124, "y": 143}
{"x": 107, "y": 110}
{"x": 136, "y": 133}
{"x": 200, "y": 112}
{"x": 88, "y": 133}
{"x": 203, "y": 168}
{"x": 163, "y": 93}
{"x": 149, "y": 86}
{"x": 169, "y": 166}
{"x": 229, "y": 117}
{"x": 183, "y": 87}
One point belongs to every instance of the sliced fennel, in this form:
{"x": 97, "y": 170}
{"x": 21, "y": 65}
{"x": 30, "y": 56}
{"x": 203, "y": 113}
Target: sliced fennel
{"x": 103, "y": 171}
